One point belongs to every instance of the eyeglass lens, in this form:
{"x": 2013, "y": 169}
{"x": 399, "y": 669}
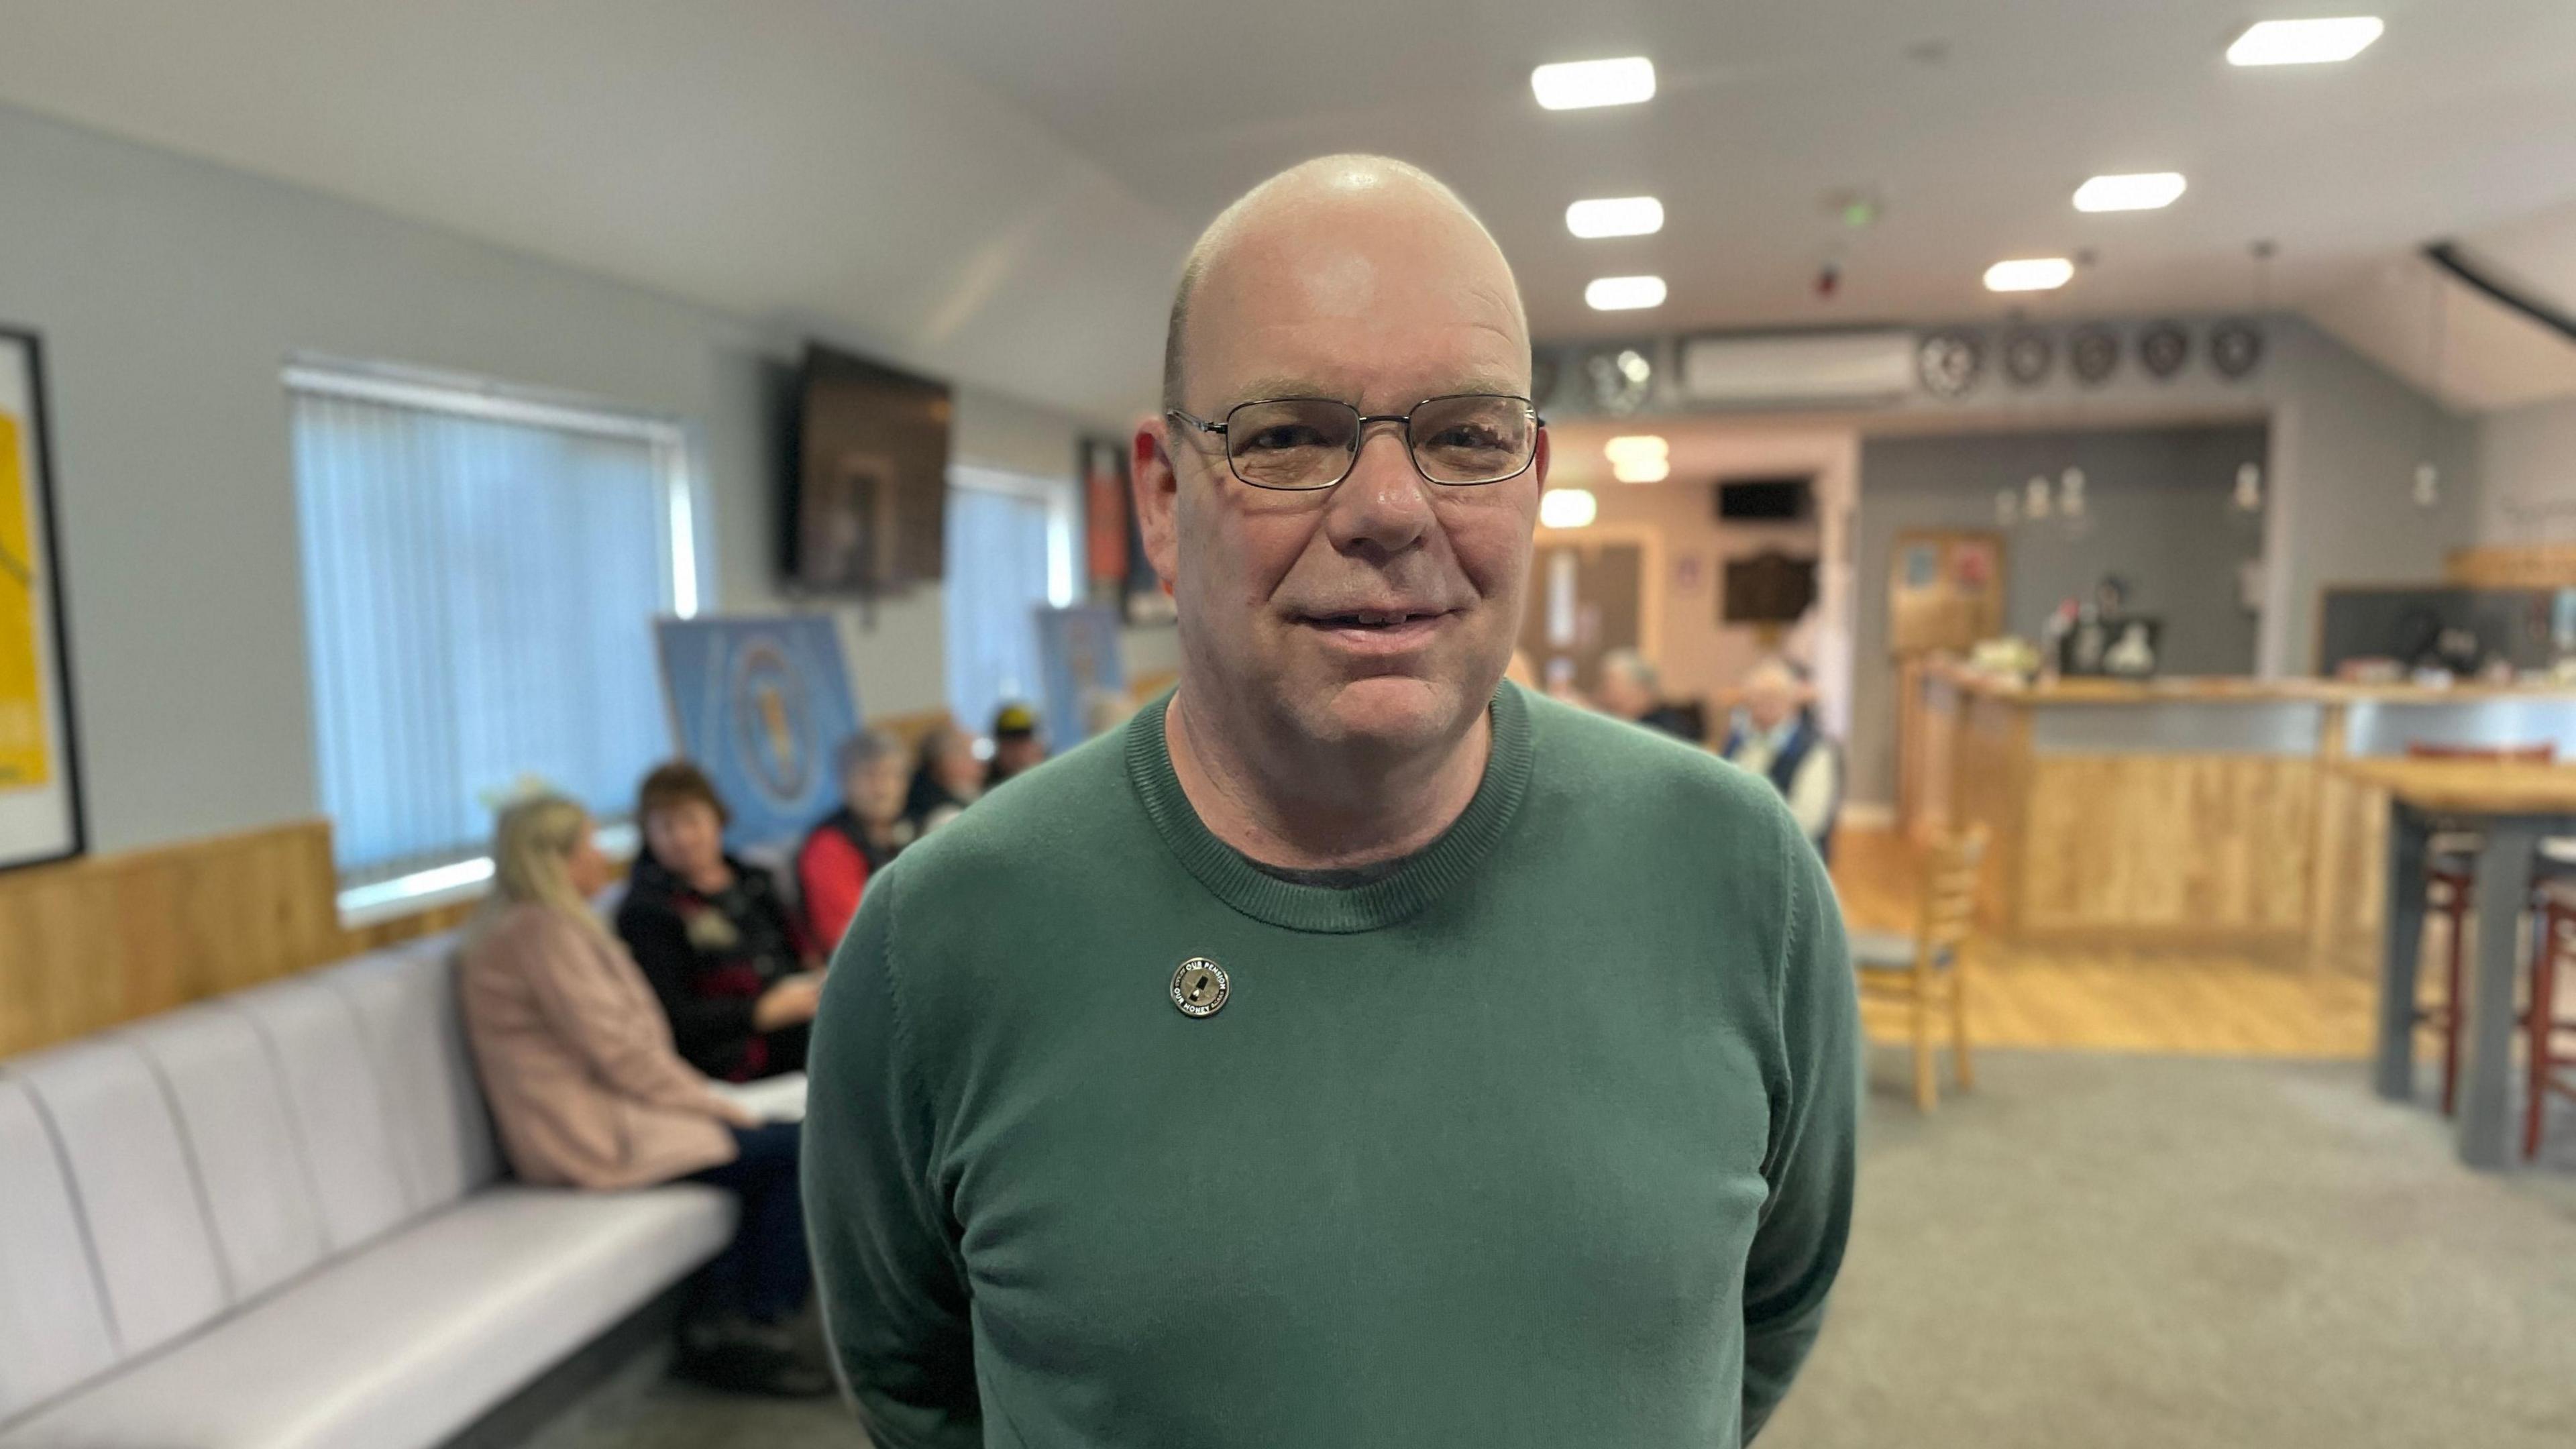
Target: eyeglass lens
{"x": 1311, "y": 442}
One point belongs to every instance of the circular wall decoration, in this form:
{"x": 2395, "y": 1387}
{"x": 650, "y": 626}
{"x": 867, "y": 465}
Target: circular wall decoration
{"x": 1949, "y": 362}
{"x": 2235, "y": 348}
{"x": 1620, "y": 379}
{"x": 2163, "y": 348}
{"x": 2028, "y": 354}
{"x": 2093, "y": 354}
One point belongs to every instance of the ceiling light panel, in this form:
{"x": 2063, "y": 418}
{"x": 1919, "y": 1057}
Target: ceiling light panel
{"x": 2143, "y": 191}
{"x": 1567, "y": 508}
{"x": 2305, "y": 42}
{"x": 2029, "y": 274}
{"x": 1582, "y": 84}
{"x": 1615, "y": 216}
{"x": 1624, "y": 294}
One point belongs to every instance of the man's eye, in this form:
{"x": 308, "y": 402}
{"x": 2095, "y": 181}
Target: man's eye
{"x": 1283, "y": 438}
{"x": 1468, "y": 436}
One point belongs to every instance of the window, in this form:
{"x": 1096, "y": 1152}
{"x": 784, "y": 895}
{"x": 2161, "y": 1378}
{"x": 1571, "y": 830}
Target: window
{"x": 481, "y": 576}
{"x": 1010, "y": 553}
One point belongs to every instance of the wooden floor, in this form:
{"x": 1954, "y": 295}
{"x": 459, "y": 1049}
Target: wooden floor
{"x": 2167, "y": 1001}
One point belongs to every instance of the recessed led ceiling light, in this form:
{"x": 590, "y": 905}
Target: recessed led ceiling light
{"x": 2029, "y": 274}
{"x": 1622, "y": 294}
{"x": 2305, "y": 42}
{"x": 1615, "y": 216}
{"x": 2144, "y": 191}
{"x": 1641, "y": 470}
{"x": 1578, "y": 84}
{"x": 1636, "y": 445}
{"x": 1567, "y": 508}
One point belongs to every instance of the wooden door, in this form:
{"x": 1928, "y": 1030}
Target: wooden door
{"x": 1585, "y": 599}
{"x": 1945, "y": 590}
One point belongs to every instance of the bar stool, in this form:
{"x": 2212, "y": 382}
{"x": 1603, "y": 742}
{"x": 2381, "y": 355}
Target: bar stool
{"x": 2450, "y": 871}
{"x": 2549, "y": 1039}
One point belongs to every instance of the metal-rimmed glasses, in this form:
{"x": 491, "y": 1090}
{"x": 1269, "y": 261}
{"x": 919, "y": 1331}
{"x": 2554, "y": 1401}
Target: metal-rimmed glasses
{"x": 1305, "y": 444}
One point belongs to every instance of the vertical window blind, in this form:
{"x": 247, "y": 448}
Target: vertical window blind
{"x": 480, "y": 581}
{"x": 1009, "y": 552}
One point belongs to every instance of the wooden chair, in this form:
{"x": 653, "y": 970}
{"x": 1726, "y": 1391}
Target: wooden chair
{"x": 2450, "y": 870}
{"x": 1928, "y": 970}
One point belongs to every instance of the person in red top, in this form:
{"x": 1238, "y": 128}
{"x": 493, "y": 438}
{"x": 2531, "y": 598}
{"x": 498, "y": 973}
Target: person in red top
{"x": 855, "y": 841}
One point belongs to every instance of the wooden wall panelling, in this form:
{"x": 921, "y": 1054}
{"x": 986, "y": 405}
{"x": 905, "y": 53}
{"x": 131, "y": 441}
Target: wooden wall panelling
{"x": 94, "y": 942}
{"x": 2514, "y": 566}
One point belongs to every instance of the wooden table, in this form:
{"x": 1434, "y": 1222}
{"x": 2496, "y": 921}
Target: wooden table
{"x": 2512, "y": 806}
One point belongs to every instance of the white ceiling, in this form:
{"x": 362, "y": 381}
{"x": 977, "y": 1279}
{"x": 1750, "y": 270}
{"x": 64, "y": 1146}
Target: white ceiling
{"x": 1001, "y": 191}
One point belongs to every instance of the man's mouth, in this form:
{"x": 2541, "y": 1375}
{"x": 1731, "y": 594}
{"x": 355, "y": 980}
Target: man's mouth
{"x": 1378, "y": 631}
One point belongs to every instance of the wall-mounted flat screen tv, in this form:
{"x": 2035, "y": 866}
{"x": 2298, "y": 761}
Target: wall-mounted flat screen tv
{"x": 867, "y": 499}
{"x": 1765, "y": 500}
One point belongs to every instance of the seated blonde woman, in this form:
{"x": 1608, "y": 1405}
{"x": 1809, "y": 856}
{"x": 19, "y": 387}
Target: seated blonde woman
{"x": 576, "y": 1059}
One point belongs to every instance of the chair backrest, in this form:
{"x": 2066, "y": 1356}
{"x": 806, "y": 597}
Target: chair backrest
{"x": 1950, "y": 889}
{"x": 2541, "y": 753}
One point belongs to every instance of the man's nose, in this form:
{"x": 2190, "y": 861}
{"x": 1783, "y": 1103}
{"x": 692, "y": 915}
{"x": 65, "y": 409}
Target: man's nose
{"x": 1384, "y": 506}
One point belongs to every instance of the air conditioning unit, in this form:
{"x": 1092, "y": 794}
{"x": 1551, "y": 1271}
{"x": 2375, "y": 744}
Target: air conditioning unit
{"x": 1805, "y": 369}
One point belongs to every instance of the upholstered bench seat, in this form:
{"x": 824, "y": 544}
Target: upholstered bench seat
{"x": 273, "y": 1221}
{"x": 409, "y": 1340}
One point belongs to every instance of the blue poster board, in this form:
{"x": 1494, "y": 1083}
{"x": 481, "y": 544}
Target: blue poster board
{"x": 1078, "y": 657}
{"x": 761, "y": 705}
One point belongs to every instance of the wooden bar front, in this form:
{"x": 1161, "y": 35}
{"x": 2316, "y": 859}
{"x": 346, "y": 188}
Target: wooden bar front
{"x": 2193, "y": 812}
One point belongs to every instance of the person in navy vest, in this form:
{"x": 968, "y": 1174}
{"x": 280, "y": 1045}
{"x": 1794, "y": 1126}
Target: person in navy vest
{"x": 1774, "y": 735}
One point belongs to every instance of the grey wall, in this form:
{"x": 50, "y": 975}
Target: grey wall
{"x": 2527, "y": 474}
{"x": 2158, "y": 514}
{"x": 2346, "y": 437}
{"x": 170, "y": 291}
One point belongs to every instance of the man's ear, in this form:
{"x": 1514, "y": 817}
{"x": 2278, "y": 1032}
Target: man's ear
{"x": 1157, "y": 492}
{"x": 1538, "y": 458}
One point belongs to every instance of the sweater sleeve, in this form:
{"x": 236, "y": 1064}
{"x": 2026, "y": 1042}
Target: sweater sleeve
{"x": 569, "y": 978}
{"x": 886, "y": 1261}
{"x": 1798, "y": 1245}
{"x": 708, "y": 1030}
{"x": 830, "y": 873}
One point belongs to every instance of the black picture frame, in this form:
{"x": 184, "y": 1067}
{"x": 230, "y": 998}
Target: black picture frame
{"x": 22, "y": 370}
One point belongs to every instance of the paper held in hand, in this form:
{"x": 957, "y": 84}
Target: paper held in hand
{"x": 774, "y": 1099}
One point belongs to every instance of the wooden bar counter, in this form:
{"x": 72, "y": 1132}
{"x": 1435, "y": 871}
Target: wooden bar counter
{"x": 2185, "y": 812}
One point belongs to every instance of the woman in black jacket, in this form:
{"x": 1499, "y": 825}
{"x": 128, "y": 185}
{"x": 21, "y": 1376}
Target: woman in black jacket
{"x": 714, "y": 937}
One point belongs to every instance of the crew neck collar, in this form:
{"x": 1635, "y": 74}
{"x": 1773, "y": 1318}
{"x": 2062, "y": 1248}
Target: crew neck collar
{"x": 1326, "y": 909}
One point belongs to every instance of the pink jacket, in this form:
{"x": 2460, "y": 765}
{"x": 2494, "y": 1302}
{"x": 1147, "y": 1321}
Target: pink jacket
{"x": 576, "y": 1059}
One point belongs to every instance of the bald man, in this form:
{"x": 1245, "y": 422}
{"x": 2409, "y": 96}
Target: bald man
{"x": 1350, "y": 1049}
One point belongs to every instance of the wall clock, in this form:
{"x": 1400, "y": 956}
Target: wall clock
{"x": 2235, "y": 348}
{"x": 1949, "y": 362}
{"x": 2028, "y": 354}
{"x": 2163, "y": 348}
{"x": 2093, "y": 354}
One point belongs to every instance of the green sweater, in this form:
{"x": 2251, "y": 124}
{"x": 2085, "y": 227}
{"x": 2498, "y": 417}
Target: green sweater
{"x": 1545, "y": 1139}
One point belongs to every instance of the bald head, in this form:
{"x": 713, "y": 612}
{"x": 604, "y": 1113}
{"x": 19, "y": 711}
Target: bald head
{"x": 1342, "y": 231}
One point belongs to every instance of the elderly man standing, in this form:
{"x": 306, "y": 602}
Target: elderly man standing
{"x": 1776, "y": 737}
{"x": 1349, "y": 1049}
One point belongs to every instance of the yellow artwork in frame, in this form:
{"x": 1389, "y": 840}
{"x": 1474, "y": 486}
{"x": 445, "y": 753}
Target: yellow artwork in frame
{"x": 40, "y": 778}
{"x": 24, "y": 761}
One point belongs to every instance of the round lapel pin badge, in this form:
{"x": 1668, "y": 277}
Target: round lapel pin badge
{"x": 1199, "y": 987}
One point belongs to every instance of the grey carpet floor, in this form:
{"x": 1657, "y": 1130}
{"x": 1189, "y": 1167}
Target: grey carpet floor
{"x": 2108, "y": 1251}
